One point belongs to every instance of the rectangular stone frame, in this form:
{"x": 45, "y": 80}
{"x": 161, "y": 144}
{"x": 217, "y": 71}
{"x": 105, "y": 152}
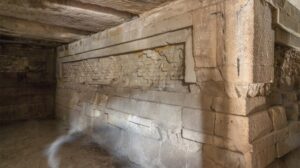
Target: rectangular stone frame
{"x": 175, "y": 37}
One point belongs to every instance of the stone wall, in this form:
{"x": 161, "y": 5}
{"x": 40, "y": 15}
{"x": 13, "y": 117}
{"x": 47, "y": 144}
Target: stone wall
{"x": 184, "y": 85}
{"x": 27, "y": 80}
{"x": 284, "y": 106}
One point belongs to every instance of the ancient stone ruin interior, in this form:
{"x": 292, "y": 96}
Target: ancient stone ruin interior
{"x": 149, "y": 83}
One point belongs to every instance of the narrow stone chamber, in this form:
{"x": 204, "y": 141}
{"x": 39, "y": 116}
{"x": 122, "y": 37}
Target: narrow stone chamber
{"x": 189, "y": 84}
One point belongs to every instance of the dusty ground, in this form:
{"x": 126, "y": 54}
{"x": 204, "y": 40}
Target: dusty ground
{"x": 22, "y": 145}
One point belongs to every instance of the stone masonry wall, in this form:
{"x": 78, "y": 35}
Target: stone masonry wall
{"x": 284, "y": 110}
{"x": 26, "y": 82}
{"x": 184, "y": 85}
{"x": 278, "y": 83}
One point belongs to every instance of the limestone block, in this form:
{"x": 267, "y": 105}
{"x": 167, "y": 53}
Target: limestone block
{"x": 264, "y": 157}
{"x": 281, "y": 135}
{"x": 269, "y": 141}
{"x": 210, "y": 88}
{"x": 171, "y": 156}
{"x": 263, "y": 74}
{"x": 167, "y": 115}
{"x": 236, "y": 90}
{"x": 258, "y": 89}
{"x": 238, "y": 106}
{"x": 218, "y": 141}
{"x": 263, "y": 142}
{"x": 289, "y": 98}
{"x": 263, "y": 47}
{"x": 141, "y": 150}
{"x": 222, "y": 157}
{"x": 277, "y": 164}
{"x": 198, "y": 101}
{"x": 133, "y": 124}
{"x": 291, "y": 142}
{"x": 194, "y": 159}
{"x": 176, "y": 139}
{"x": 191, "y": 100}
{"x": 233, "y": 127}
{"x": 275, "y": 98}
{"x": 196, "y": 136}
{"x": 198, "y": 120}
{"x": 206, "y": 35}
{"x": 243, "y": 129}
{"x": 278, "y": 117}
{"x": 207, "y": 74}
{"x": 292, "y": 112}
{"x": 248, "y": 73}
{"x": 237, "y": 73}
{"x": 294, "y": 127}
{"x": 260, "y": 124}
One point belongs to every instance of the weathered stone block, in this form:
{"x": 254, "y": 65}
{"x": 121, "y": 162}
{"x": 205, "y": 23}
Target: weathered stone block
{"x": 223, "y": 158}
{"x": 171, "y": 156}
{"x": 278, "y": 117}
{"x": 264, "y": 157}
{"x": 208, "y": 74}
{"x": 205, "y": 38}
{"x": 196, "y": 136}
{"x": 292, "y": 112}
{"x": 167, "y": 115}
{"x": 233, "y": 127}
{"x": 243, "y": 129}
{"x": 214, "y": 89}
{"x": 260, "y": 124}
{"x": 217, "y": 141}
{"x": 239, "y": 106}
{"x": 194, "y": 159}
{"x": 263, "y": 74}
{"x": 236, "y": 90}
{"x": 289, "y": 98}
{"x": 291, "y": 142}
{"x": 133, "y": 124}
{"x": 198, "y": 120}
{"x": 275, "y": 98}
{"x": 192, "y": 100}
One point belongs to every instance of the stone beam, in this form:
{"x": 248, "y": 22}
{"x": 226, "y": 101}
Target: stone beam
{"x": 28, "y": 29}
{"x": 131, "y": 6}
{"x": 17, "y": 40}
{"x": 72, "y": 14}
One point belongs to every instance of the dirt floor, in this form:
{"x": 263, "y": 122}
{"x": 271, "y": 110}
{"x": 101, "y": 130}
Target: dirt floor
{"x": 23, "y": 144}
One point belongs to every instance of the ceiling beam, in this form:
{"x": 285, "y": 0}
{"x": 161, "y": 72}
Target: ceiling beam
{"x": 24, "y": 41}
{"x": 27, "y": 29}
{"x": 66, "y": 13}
{"x": 132, "y": 6}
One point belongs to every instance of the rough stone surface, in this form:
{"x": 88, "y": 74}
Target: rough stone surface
{"x": 250, "y": 127}
{"x": 167, "y": 115}
{"x": 239, "y": 106}
{"x": 278, "y": 117}
{"x": 150, "y": 68}
{"x": 198, "y": 120}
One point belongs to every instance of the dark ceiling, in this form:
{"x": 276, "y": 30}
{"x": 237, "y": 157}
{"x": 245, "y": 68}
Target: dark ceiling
{"x": 56, "y": 22}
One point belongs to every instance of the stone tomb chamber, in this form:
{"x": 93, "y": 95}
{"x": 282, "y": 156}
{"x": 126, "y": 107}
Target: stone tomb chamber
{"x": 150, "y": 84}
